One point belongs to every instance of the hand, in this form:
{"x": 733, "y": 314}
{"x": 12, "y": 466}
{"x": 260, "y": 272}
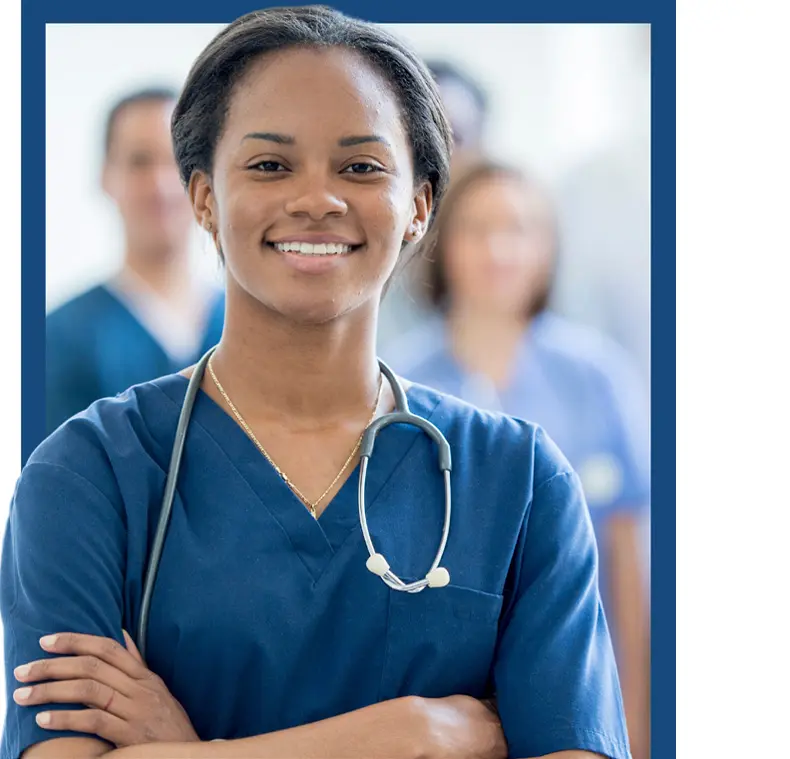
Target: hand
{"x": 128, "y": 704}
{"x": 462, "y": 727}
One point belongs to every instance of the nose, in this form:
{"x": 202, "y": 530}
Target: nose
{"x": 315, "y": 196}
{"x": 166, "y": 181}
{"x": 497, "y": 246}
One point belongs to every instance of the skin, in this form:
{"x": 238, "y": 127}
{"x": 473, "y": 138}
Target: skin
{"x": 307, "y": 402}
{"x": 499, "y": 252}
{"x": 498, "y": 248}
{"x": 140, "y": 177}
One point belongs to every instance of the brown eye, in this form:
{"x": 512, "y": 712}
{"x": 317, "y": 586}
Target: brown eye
{"x": 268, "y": 167}
{"x": 362, "y": 168}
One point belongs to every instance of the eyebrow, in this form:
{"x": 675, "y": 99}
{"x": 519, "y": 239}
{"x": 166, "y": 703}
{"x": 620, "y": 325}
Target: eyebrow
{"x": 280, "y": 139}
{"x": 345, "y": 142}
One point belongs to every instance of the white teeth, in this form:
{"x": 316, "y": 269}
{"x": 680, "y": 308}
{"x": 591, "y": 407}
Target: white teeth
{"x": 310, "y": 249}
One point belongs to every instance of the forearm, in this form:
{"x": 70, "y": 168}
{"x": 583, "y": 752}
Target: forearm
{"x": 386, "y": 732}
{"x": 631, "y": 621}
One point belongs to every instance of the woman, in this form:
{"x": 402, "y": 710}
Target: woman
{"x": 489, "y": 274}
{"x": 315, "y": 151}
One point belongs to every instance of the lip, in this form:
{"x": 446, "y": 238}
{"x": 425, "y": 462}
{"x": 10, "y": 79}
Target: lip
{"x": 315, "y": 238}
{"x": 314, "y": 264}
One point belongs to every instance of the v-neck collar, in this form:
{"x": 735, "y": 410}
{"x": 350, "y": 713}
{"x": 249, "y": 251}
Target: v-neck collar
{"x": 315, "y": 541}
{"x": 132, "y": 313}
{"x": 480, "y": 390}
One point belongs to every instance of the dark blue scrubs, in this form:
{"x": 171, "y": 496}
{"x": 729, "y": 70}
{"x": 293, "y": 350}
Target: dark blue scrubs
{"x": 96, "y": 348}
{"x": 264, "y": 618}
{"x": 577, "y": 385}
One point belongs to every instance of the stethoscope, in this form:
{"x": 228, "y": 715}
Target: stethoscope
{"x": 436, "y": 577}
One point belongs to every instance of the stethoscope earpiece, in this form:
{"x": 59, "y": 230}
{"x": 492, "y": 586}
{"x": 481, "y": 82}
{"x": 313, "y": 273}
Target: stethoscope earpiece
{"x": 436, "y": 578}
{"x": 378, "y": 565}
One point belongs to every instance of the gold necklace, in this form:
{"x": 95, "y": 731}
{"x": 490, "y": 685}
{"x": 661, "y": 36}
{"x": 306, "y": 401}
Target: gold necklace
{"x": 311, "y": 505}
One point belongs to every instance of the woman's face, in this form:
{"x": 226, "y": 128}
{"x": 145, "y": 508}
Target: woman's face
{"x": 313, "y": 158}
{"x": 499, "y": 246}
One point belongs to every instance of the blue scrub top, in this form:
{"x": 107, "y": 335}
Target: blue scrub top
{"x": 97, "y": 348}
{"x": 264, "y": 618}
{"x": 576, "y": 384}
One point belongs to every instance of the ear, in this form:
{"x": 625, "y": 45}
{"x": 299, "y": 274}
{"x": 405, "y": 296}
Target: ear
{"x": 202, "y": 199}
{"x": 421, "y": 213}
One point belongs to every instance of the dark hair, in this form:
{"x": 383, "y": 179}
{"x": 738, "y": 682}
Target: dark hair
{"x": 147, "y": 95}
{"x": 200, "y": 113}
{"x": 433, "y": 251}
{"x": 443, "y": 70}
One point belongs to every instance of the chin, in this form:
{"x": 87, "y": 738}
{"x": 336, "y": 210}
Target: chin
{"x": 309, "y": 312}
{"x": 311, "y": 303}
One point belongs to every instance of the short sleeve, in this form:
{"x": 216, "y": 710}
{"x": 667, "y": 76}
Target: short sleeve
{"x": 555, "y": 676}
{"x": 62, "y": 570}
{"x": 69, "y": 387}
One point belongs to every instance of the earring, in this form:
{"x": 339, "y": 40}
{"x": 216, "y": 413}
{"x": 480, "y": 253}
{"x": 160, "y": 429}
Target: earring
{"x": 208, "y": 226}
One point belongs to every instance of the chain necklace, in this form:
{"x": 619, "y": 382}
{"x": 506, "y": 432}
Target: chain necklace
{"x": 311, "y": 505}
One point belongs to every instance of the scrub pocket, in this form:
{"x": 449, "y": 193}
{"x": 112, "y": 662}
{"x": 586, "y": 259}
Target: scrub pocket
{"x": 440, "y": 642}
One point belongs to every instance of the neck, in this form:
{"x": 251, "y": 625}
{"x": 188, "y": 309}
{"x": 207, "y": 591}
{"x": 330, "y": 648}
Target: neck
{"x": 486, "y": 342}
{"x": 307, "y": 374}
{"x": 166, "y": 269}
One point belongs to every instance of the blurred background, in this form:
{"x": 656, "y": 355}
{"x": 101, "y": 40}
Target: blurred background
{"x": 568, "y": 102}
{"x": 535, "y": 300}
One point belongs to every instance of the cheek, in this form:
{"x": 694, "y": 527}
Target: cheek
{"x": 463, "y": 262}
{"x": 535, "y": 259}
{"x": 136, "y": 190}
{"x": 243, "y": 209}
{"x": 388, "y": 212}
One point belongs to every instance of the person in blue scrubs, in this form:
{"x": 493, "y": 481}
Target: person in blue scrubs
{"x": 494, "y": 343}
{"x": 315, "y": 149}
{"x": 154, "y": 316}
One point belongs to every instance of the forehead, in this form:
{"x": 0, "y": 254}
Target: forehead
{"x": 503, "y": 196}
{"x": 330, "y": 90}
{"x": 142, "y": 126}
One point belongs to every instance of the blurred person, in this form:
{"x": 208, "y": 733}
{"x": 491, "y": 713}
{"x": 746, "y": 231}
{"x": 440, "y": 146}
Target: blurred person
{"x": 466, "y": 103}
{"x": 491, "y": 259}
{"x": 156, "y": 315}
{"x": 315, "y": 150}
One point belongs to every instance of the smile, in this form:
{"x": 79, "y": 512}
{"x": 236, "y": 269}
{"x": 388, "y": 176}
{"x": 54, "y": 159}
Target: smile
{"x": 313, "y": 249}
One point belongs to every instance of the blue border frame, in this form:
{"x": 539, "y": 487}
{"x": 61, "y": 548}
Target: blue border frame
{"x": 37, "y": 13}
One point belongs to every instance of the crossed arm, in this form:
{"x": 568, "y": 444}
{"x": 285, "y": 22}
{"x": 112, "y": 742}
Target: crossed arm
{"x": 130, "y": 707}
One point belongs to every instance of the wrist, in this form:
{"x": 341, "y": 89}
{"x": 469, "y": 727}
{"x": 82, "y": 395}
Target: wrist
{"x": 415, "y": 713}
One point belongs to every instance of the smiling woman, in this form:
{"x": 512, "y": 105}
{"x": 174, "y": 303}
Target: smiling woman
{"x": 314, "y": 149}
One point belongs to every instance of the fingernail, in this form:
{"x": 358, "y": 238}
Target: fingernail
{"x": 44, "y": 718}
{"x": 22, "y": 670}
{"x": 48, "y": 641}
{"x": 22, "y": 694}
